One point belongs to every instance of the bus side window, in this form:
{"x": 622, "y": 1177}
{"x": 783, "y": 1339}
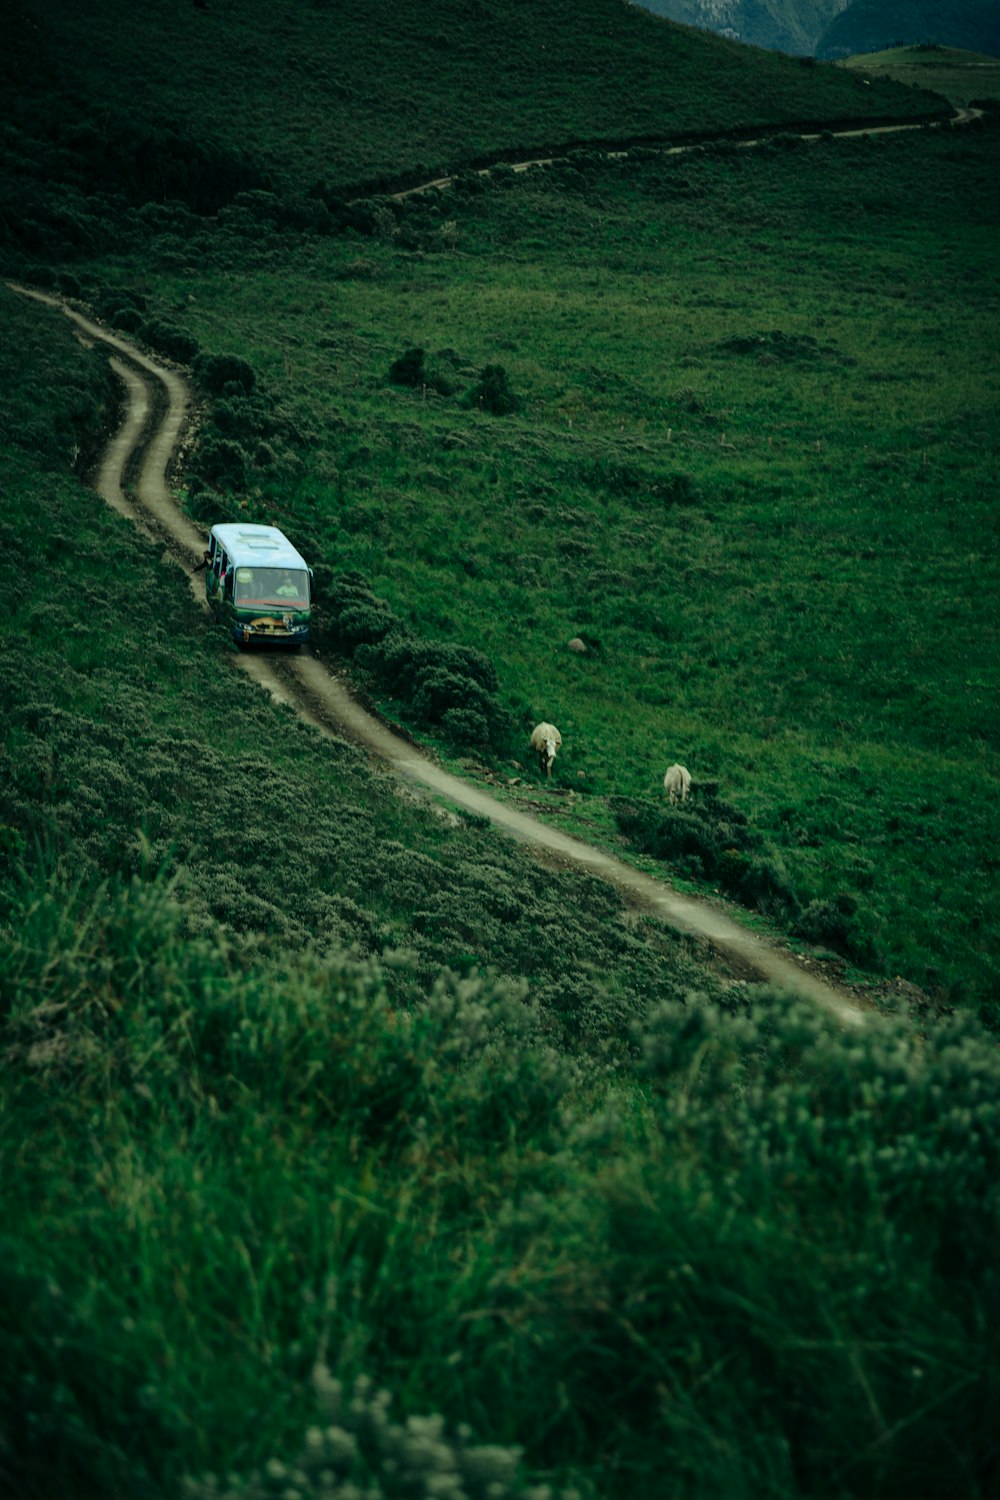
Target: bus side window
{"x": 227, "y": 576}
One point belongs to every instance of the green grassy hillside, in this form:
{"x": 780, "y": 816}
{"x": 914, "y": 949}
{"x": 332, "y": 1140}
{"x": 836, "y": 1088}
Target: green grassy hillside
{"x": 289, "y": 1207}
{"x": 962, "y": 77}
{"x": 346, "y": 1150}
{"x": 350, "y": 95}
{"x": 747, "y": 382}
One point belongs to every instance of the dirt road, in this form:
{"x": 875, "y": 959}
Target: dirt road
{"x": 157, "y": 408}
{"x": 962, "y": 116}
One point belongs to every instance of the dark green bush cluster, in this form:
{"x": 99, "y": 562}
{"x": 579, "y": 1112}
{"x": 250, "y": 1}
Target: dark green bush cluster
{"x": 119, "y": 306}
{"x": 216, "y": 372}
{"x": 166, "y": 339}
{"x": 422, "y": 371}
{"x": 444, "y": 685}
{"x": 411, "y": 223}
{"x": 843, "y": 924}
{"x": 709, "y": 840}
{"x": 441, "y": 373}
{"x": 353, "y": 614}
{"x": 492, "y": 392}
{"x": 249, "y": 210}
{"x": 777, "y": 347}
{"x": 244, "y": 438}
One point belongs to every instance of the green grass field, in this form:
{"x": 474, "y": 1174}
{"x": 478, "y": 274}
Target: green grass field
{"x": 345, "y": 1150}
{"x": 962, "y": 77}
{"x": 751, "y": 465}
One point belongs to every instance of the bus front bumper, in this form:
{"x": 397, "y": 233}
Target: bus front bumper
{"x": 270, "y": 630}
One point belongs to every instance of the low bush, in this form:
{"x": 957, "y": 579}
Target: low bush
{"x": 214, "y": 372}
{"x": 175, "y": 343}
{"x": 408, "y": 369}
{"x": 403, "y": 658}
{"x": 622, "y": 476}
{"x": 841, "y": 924}
{"x": 353, "y": 615}
{"x": 709, "y": 840}
{"x": 222, "y": 463}
{"x": 426, "y": 372}
{"x": 120, "y": 307}
{"x": 444, "y": 685}
{"x": 492, "y": 392}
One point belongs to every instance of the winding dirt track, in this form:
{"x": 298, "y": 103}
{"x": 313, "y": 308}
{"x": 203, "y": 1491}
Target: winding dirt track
{"x": 157, "y": 408}
{"x": 962, "y": 116}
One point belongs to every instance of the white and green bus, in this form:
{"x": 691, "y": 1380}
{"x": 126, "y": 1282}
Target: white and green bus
{"x": 258, "y": 584}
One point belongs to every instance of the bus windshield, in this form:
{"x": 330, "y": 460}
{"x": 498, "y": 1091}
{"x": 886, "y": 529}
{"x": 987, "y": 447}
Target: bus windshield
{"x": 286, "y": 588}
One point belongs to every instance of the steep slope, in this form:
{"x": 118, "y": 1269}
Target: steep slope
{"x": 203, "y": 100}
{"x": 344, "y": 1148}
{"x": 281, "y": 1212}
{"x": 868, "y": 25}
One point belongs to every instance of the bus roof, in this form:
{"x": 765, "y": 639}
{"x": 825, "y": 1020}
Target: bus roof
{"x": 265, "y": 545}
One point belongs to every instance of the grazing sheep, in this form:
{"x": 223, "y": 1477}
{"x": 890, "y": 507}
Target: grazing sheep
{"x": 545, "y": 741}
{"x": 677, "y": 783}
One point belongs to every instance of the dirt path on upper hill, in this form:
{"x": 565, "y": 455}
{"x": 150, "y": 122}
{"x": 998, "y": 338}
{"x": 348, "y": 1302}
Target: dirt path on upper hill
{"x": 962, "y": 116}
{"x": 157, "y": 409}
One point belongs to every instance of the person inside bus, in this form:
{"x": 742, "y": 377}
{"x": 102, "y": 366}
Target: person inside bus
{"x": 287, "y": 588}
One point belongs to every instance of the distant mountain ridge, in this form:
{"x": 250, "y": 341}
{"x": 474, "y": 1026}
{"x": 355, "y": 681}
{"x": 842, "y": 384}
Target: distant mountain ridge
{"x": 793, "y": 26}
{"x": 831, "y": 29}
{"x": 870, "y": 25}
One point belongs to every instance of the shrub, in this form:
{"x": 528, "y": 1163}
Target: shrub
{"x": 843, "y": 925}
{"x": 236, "y": 417}
{"x": 216, "y": 371}
{"x": 492, "y": 392}
{"x": 465, "y": 726}
{"x": 622, "y": 477}
{"x": 128, "y": 319}
{"x": 355, "y": 616}
{"x": 408, "y": 369}
{"x": 165, "y": 339}
{"x": 436, "y": 373}
{"x": 364, "y": 623}
{"x": 405, "y": 659}
{"x": 222, "y": 463}
{"x": 206, "y": 504}
{"x": 709, "y": 840}
{"x": 120, "y": 307}
{"x": 757, "y": 881}
{"x": 437, "y": 692}
{"x": 444, "y": 684}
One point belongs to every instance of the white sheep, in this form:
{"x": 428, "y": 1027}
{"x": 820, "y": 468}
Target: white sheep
{"x": 677, "y": 783}
{"x": 545, "y": 741}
